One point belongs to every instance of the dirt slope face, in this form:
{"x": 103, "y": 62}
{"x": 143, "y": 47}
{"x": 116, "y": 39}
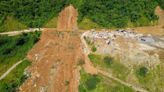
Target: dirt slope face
{"x": 54, "y": 67}
{"x": 67, "y": 19}
{"x": 54, "y": 58}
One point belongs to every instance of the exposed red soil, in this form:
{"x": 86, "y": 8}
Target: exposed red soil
{"x": 54, "y": 58}
{"x": 67, "y": 19}
{"x": 54, "y": 67}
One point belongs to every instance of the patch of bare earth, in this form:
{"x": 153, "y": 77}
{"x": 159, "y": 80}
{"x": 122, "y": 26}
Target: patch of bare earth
{"x": 54, "y": 58}
{"x": 67, "y": 19}
{"x": 54, "y": 67}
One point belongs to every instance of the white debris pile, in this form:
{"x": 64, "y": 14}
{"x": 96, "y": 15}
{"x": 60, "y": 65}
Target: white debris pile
{"x": 125, "y": 43}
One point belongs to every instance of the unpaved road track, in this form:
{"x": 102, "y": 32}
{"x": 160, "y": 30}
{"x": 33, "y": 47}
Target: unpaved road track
{"x": 10, "y": 69}
{"x": 89, "y": 68}
{"x": 13, "y": 33}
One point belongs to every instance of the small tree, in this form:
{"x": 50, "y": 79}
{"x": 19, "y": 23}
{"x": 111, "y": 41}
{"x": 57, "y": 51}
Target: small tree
{"x": 94, "y": 49}
{"x": 108, "y": 60}
{"x": 142, "y": 71}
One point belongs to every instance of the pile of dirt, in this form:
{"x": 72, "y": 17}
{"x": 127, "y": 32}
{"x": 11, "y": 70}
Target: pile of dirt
{"x": 67, "y": 19}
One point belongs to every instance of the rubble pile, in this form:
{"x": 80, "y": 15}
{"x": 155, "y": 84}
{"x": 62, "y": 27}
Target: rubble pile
{"x": 127, "y": 44}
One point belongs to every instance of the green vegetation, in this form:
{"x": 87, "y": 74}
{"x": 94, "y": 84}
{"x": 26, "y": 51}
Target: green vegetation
{"x": 161, "y": 3}
{"x": 15, "y": 48}
{"x": 92, "y": 13}
{"x": 86, "y": 24}
{"x": 149, "y": 78}
{"x": 99, "y": 83}
{"x": 142, "y": 71}
{"x": 88, "y": 40}
{"x": 15, "y": 78}
{"x": 144, "y": 76}
{"x": 94, "y": 49}
{"x": 11, "y": 24}
{"x": 108, "y": 60}
{"x": 51, "y": 23}
{"x": 109, "y": 64}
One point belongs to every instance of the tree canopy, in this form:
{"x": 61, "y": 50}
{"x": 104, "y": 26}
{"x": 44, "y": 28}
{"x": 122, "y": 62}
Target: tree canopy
{"x": 106, "y": 13}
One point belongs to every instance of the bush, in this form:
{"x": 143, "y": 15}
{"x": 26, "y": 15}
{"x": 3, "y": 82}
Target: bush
{"x": 92, "y": 82}
{"x": 142, "y": 71}
{"x": 108, "y": 60}
{"x": 94, "y": 49}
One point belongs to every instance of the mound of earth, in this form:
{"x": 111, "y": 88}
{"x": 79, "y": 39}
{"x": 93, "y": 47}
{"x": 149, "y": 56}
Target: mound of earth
{"x": 67, "y": 19}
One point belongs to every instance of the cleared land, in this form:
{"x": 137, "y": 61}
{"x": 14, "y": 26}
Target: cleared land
{"x": 54, "y": 67}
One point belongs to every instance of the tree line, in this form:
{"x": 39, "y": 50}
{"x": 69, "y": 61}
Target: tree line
{"x": 107, "y": 13}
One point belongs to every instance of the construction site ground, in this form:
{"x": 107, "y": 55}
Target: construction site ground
{"x": 54, "y": 67}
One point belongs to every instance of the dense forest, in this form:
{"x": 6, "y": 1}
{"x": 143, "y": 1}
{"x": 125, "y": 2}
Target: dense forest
{"x": 107, "y": 13}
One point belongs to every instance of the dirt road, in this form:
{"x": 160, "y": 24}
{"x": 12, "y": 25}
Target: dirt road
{"x": 10, "y": 69}
{"x": 13, "y": 33}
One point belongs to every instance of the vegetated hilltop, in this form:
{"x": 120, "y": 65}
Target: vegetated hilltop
{"x": 34, "y": 13}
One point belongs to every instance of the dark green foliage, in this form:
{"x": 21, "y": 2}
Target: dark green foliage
{"x": 100, "y": 83}
{"x": 92, "y": 82}
{"x": 117, "y": 13}
{"x": 161, "y": 3}
{"x": 94, "y": 49}
{"x": 142, "y": 71}
{"x": 108, "y": 60}
{"x": 22, "y": 41}
{"x": 88, "y": 41}
{"x": 88, "y": 82}
{"x": 14, "y": 79}
{"x": 33, "y": 13}
{"x": 106, "y": 13}
{"x": 14, "y": 48}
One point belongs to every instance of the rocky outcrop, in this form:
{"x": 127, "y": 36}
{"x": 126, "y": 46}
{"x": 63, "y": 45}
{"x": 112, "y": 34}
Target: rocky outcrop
{"x": 67, "y": 20}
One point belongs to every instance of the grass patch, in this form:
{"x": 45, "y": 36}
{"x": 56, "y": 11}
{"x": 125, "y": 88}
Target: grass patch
{"x": 151, "y": 79}
{"x": 15, "y": 78}
{"x": 86, "y": 24}
{"x": 99, "y": 83}
{"x": 15, "y": 48}
{"x": 52, "y": 23}
{"x": 11, "y": 24}
{"x": 109, "y": 64}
